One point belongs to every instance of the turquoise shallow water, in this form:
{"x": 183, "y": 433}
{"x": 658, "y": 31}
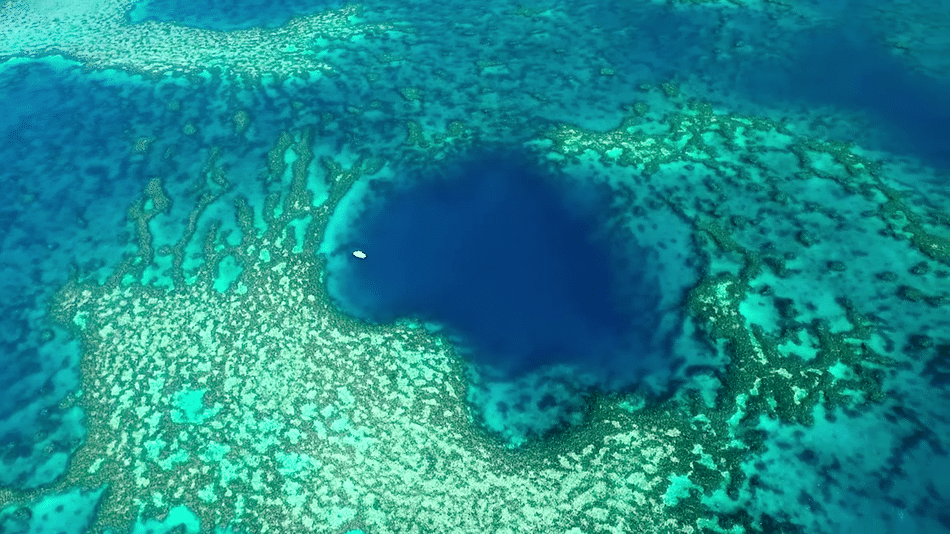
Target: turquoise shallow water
{"x": 725, "y": 310}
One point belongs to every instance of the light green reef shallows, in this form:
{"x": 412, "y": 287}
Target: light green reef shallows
{"x": 256, "y": 405}
{"x": 221, "y": 388}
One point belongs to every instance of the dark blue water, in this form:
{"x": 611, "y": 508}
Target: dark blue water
{"x": 225, "y": 15}
{"x": 60, "y": 182}
{"x": 513, "y": 260}
{"x": 851, "y": 71}
{"x": 753, "y": 64}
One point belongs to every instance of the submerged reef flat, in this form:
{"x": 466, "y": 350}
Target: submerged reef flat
{"x": 270, "y": 412}
{"x": 263, "y": 407}
{"x": 248, "y": 398}
{"x": 98, "y": 33}
{"x": 228, "y": 14}
{"x": 798, "y": 266}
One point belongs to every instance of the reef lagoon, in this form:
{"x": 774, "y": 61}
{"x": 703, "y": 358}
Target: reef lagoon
{"x": 476, "y": 267}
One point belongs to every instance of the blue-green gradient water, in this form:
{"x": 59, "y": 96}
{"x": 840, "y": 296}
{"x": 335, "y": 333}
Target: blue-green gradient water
{"x": 728, "y": 219}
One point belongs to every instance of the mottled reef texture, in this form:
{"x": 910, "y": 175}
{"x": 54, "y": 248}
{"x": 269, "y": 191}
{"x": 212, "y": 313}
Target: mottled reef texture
{"x": 256, "y": 403}
{"x": 216, "y": 373}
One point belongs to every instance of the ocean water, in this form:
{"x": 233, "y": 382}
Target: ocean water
{"x": 620, "y": 267}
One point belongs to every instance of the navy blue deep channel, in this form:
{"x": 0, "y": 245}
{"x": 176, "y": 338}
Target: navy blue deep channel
{"x": 517, "y": 266}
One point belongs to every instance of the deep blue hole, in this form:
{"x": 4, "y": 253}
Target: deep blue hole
{"x": 518, "y": 263}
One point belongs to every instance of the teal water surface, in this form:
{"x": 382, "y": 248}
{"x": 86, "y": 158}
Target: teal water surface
{"x": 587, "y": 266}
